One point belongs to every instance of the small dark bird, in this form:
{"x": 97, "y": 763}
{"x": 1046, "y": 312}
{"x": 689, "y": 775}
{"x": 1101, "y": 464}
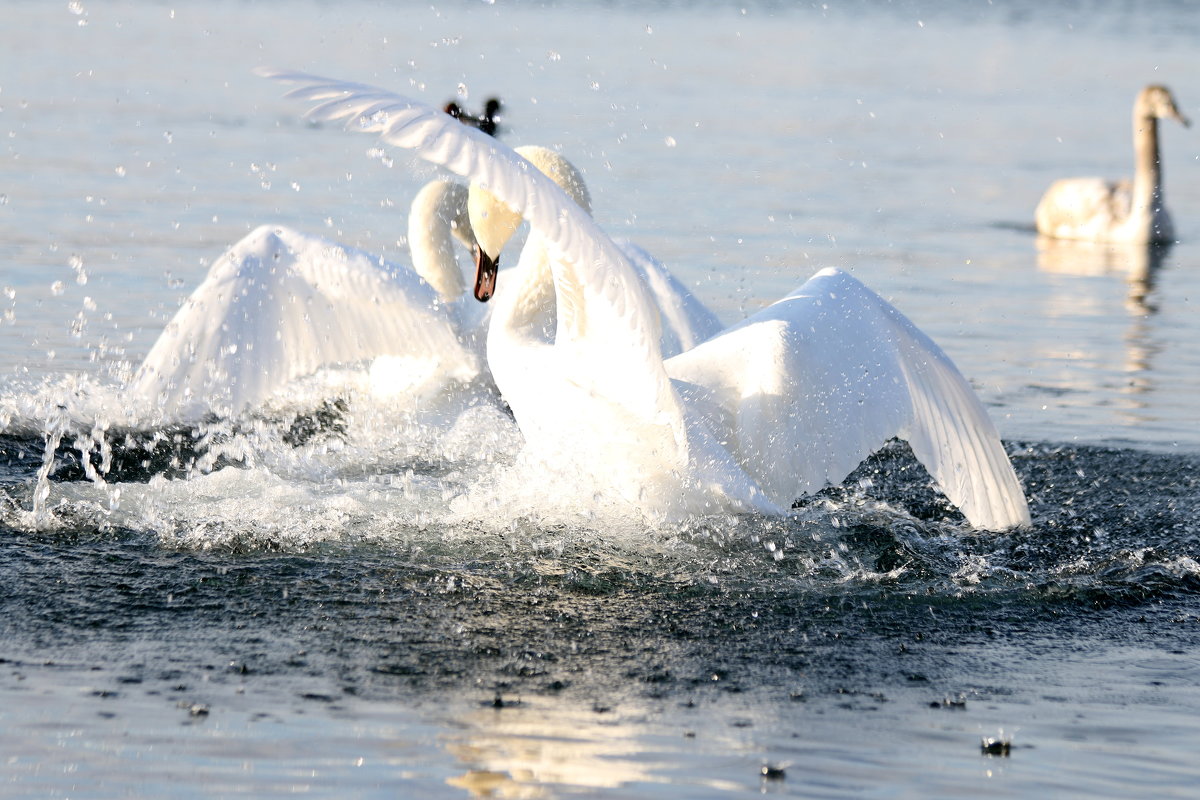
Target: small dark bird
{"x": 486, "y": 121}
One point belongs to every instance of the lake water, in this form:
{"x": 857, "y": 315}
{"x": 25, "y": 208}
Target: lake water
{"x": 342, "y": 618}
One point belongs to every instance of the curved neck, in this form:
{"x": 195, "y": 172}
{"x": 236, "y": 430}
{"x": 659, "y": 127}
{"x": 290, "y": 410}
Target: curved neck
{"x": 1147, "y": 173}
{"x": 437, "y": 217}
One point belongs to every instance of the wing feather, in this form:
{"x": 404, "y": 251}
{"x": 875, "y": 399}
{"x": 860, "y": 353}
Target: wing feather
{"x": 281, "y": 304}
{"x": 815, "y": 383}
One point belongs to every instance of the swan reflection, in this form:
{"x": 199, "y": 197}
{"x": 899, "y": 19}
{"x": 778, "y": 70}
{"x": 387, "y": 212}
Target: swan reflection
{"x": 1138, "y": 263}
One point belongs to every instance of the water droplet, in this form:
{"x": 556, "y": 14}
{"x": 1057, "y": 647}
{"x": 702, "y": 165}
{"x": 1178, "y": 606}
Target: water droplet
{"x": 57, "y": 288}
{"x": 10, "y": 293}
{"x": 670, "y": 141}
{"x": 120, "y": 171}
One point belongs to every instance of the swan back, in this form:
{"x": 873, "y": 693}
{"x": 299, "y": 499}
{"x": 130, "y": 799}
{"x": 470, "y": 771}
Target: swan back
{"x": 808, "y": 387}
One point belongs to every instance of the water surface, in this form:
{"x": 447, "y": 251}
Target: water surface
{"x": 256, "y": 607}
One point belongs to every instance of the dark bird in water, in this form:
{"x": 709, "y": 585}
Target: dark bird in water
{"x": 486, "y": 121}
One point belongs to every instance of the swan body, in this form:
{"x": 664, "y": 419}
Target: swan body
{"x": 783, "y": 403}
{"x": 1094, "y": 209}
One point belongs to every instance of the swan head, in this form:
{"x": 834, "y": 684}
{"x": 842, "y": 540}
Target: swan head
{"x": 494, "y": 222}
{"x": 1156, "y": 101}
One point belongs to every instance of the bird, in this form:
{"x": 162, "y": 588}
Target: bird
{"x": 780, "y": 405}
{"x": 1094, "y": 209}
{"x": 485, "y": 122}
{"x": 281, "y": 304}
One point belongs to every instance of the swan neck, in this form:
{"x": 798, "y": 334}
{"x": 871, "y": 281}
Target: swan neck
{"x": 525, "y": 299}
{"x": 1147, "y": 175}
{"x": 437, "y": 217}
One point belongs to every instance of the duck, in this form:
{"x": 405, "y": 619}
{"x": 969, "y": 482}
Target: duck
{"x": 485, "y": 122}
{"x": 1098, "y": 210}
{"x": 766, "y": 411}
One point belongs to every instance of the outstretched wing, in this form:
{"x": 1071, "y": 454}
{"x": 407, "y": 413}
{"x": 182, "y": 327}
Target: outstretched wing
{"x": 606, "y": 323}
{"x": 280, "y": 304}
{"x": 813, "y": 384}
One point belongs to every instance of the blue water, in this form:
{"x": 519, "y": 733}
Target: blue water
{"x": 260, "y": 606}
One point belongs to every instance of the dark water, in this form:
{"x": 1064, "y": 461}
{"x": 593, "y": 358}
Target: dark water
{"x": 871, "y": 606}
{"x": 319, "y": 603}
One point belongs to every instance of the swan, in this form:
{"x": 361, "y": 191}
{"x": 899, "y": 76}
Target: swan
{"x": 768, "y": 410}
{"x": 1097, "y": 210}
{"x": 281, "y": 304}
{"x": 685, "y": 320}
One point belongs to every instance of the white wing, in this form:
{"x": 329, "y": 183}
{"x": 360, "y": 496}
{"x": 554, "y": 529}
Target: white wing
{"x": 810, "y": 386}
{"x": 607, "y": 326}
{"x": 685, "y": 320}
{"x": 280, "y": 304}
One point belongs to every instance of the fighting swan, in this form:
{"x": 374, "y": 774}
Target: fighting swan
{"x": 777, "y": 406}
{"x": 281, "y": 304}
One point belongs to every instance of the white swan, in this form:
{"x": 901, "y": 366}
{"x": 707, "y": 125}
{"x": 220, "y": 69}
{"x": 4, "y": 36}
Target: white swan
{"x": 1097, "y": 210}
{"x": 280, "y": 304}
{"x": 779, "y": 405}
{"x": 685, "y": 320}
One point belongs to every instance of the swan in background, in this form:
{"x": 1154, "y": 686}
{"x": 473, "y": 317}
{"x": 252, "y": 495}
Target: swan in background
{"x": 778, "y": 406}
{"x": 1097, "y": 210}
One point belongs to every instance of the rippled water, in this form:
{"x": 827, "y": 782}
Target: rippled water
{"x": 341, "y": 597}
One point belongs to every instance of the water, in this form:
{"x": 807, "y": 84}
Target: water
{"x": 352, "y": 603}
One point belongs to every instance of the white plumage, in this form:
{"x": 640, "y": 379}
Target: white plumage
{"x": 1098, "y": 210}
{"x": 280, "y": 304}
{"x": 780, "y": 405}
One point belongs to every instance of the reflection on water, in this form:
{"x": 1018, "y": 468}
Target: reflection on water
{"x": 520, "y": 750}
{"x": 1139, "y": 265}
